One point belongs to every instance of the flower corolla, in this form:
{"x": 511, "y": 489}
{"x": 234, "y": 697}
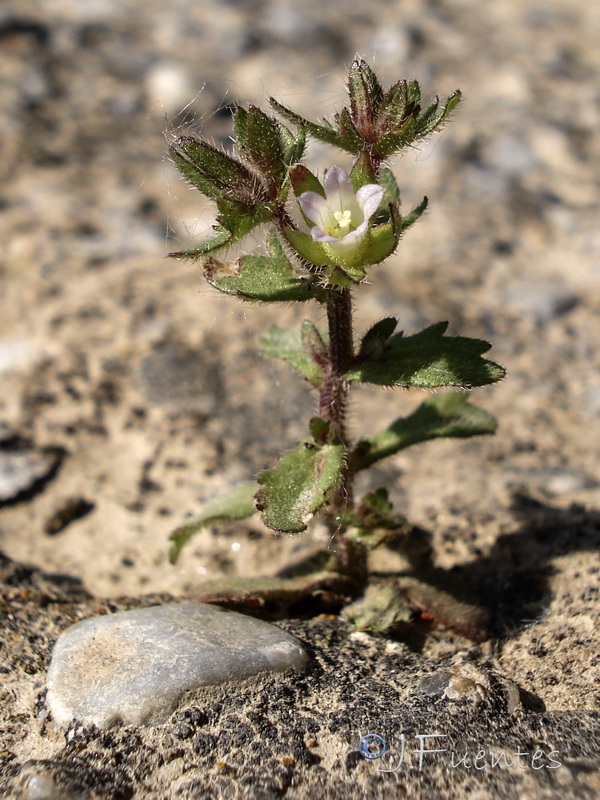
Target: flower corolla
{"x": 341, "y": 218}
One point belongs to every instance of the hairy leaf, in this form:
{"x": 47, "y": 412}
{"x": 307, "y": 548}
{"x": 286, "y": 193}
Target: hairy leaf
{"x": 376, "y": 122}
{"x": 240, "y": 128}
{"x": 293, "y": 146}
{"x": 298, "y": 485}
{"x": 313, "y": 344}
{"x": 236, "y": 504}
{"x": 373, "y": 342}
{"x": 389, "y": 183}
{"x": 266, "y": 279}
{"x": 365, "y": 94}
{"x": 392, "y": 109}
{"x": 221, "y": 241}
{"x": 428, "y": 360}
{"x": 449, "y": 415}
{"x": 324, "y": 133}
{"x": 362, "y": 173}
{"x": 345, "y": 137}
{"x": 215, "y": 173}
{"x": 414, "y": 215}
{"x": 233, "y": 224}
{"x": 288, "y": 345}
{"x": 264, "y": 147}
{"x": 381, "y": 610}
{"x": 352, "y": 140}
{"x": 274, "y": 598}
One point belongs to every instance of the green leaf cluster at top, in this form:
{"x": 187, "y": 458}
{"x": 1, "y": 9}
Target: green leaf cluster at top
{"x": 249, "y": 188}
{"x": 380, "y": 122}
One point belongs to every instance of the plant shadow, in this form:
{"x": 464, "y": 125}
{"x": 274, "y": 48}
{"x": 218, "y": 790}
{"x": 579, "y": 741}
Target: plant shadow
{"x": 513, "y": 582}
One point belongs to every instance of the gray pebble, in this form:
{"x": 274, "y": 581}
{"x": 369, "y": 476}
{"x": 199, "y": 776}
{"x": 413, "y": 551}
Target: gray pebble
{"x": 134, "y": 666}
{"x": 20, "y": 470}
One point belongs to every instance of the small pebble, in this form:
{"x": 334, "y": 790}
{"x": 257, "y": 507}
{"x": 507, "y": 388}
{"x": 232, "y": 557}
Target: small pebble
{"x": 20, "y": 470}
{"x": 16, "y": 354}
{"x": 134, "y": 666}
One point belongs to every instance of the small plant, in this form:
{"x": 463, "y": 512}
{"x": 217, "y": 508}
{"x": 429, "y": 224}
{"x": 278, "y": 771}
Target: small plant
{"x": 347, "y": 223}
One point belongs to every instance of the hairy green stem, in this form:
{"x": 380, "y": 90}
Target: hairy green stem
{"x": 334, "y": 389}
{"x": 333, "y": 398}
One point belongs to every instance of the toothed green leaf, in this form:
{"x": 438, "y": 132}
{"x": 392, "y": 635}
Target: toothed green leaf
{"x": 266, "y": 279}
{"x": 215, "y": 173}
{"x": 236, "y": 504}
{"x": 264, "y": 147}
{"x": 365, "y": 93}
{"x": 444, "y": 416}
{"x": 428, "y": 360}
{"x": 287, "y": 345}
{"x": 298, "y": 485}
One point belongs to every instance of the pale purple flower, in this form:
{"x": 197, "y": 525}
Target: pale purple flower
{"x": 341, "y": 218}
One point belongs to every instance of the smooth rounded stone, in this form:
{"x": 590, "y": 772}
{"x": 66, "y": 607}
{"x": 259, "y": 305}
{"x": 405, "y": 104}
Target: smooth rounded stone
{"x": 134, "y": 666}
{"x": 20, "y": 470}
